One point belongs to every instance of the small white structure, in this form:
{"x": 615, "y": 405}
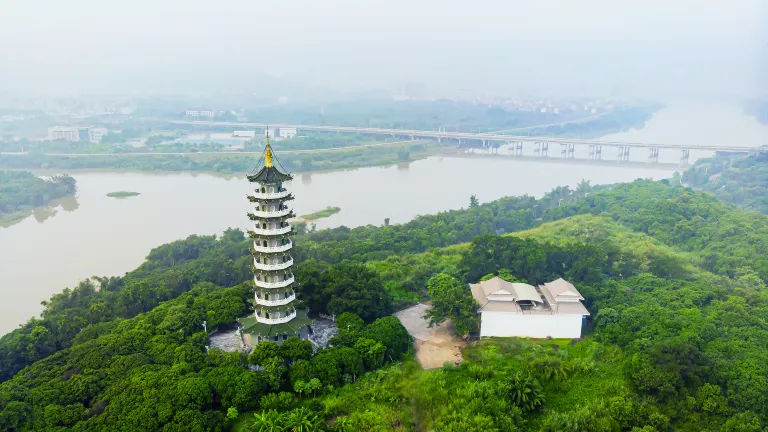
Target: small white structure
{"x": 200, "y": 112}
{"x": 286, "y": 132}
{"x": 96, "y": 134}
{"x": 63, "y": 133}
{"x": 244, "y": 134}
{"x": 520, "y": 310}
{"x": 280, "y": 132}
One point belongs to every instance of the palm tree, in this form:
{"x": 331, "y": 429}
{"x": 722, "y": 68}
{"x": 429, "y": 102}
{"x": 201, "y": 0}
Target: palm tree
{"x": 268, "y": 421}
{"x": 583, "y": 188}
{"x": 303, "y": 420}
{"x": 342, "y": 424}
{"x": 524, "y": 391}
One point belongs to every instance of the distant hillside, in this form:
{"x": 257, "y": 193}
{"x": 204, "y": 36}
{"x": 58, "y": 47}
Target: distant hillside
{"x": 739, "y": 180}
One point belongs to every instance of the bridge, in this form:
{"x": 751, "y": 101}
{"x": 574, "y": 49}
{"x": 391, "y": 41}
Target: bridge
{"x": 514, "y": 142}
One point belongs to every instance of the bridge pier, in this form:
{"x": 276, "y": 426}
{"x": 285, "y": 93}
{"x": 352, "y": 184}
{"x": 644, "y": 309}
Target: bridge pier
{"x": 684, "y": 157}
{"x": 519, "y": 148}
{"x": 567, "y": 149}
{"x": 623, "y": 154}
{"x": 653, "y": 155}
{"x": 595, "y": 151}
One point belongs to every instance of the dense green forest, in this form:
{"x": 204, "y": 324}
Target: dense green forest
{"x": 674, "y": 280}
{"x": 21, "y": 191}
{"x": 742, "y": 180}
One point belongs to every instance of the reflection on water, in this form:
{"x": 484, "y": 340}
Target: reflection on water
{"x": 69, "y": 204}
{"x": 42, "y": 214}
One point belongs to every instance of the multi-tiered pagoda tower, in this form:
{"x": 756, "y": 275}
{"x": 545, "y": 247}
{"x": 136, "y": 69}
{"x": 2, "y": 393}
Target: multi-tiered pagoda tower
{"x": 275, "y": 316}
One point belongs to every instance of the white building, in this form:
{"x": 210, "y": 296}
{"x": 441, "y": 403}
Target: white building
{"x": 200, "y": 112}
{"x": 520, "y": 310}
{"x": 280, "y": 133}
{"x": 285, "y": 132}
{"x": 74, "y": 133}
{"x": 96, "y": 134}
{"x": 244, "y": 134}
{"x": 64, "y": 133}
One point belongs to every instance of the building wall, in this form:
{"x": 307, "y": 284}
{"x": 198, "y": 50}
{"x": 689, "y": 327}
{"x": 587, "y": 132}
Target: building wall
{"x": 508, "y": 324}
{"x": 287, "y": 132}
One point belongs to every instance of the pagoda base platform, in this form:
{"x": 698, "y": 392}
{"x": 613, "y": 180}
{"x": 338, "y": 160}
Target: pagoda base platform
{"x": 255, "y": 332}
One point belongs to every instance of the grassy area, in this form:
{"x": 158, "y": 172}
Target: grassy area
{"x": 324, "y": 213}
{"x": 122, "y": 194}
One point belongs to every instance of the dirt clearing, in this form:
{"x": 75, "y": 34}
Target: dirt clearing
{"x": 434, "y": 346}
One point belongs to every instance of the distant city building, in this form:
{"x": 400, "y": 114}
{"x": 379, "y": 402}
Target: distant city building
{"x": 556, "y": 110}
{"x": 63, "y": 133}
{"x": 284, "y": 132}
{"x": 200, "y": 112}
{"x": 74, "y": 133}
{"x": 280, "y": 133}
{"x": 244, "y": 134}
{"x": 96, "y": 134}
{"x": 543, "y": 110}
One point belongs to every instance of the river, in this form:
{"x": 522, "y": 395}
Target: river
{"x": 98, "y": 235}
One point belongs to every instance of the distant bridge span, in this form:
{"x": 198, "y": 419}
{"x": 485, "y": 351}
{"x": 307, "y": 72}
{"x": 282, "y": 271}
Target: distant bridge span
{"x": 484, "y": 137}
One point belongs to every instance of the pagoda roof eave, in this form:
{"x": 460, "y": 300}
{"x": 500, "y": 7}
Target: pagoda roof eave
{"x": 269, "y": 175}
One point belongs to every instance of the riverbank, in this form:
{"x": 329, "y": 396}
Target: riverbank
{"x": 357, "y": 157}
{"x": 22, "y": 192}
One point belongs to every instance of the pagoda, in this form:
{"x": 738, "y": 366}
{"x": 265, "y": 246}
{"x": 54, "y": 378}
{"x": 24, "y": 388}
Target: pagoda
{"x": 275, "y": 317}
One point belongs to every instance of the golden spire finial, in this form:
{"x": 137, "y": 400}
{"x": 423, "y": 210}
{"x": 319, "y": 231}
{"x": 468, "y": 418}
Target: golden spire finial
{"x": 268, "y": 154}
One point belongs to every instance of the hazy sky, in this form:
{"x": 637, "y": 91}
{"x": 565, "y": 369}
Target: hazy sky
{"x": 492, "y": 47}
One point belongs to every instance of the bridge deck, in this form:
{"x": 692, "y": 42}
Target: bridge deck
{"x": 476, "y": 136}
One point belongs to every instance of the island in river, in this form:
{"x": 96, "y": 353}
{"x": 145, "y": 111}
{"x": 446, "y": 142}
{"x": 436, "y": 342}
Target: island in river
{"x": 324, "y": 213}
{"x": 122, "y": 194}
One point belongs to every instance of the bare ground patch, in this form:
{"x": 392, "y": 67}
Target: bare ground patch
{"x": 434, "y": 346}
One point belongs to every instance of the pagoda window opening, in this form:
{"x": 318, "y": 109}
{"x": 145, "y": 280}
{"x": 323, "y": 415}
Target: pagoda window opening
{"x": 264, "y": 225}
{"x": 263, "y": 190}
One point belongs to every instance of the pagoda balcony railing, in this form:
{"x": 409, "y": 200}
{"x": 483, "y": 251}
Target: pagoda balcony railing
{"x": 278, "y": 266}
{"x": 270, "y": 249}
{"x": 271, "y": 195}
{"x": 272, "y": 231}
{"x": 280, "y": 320}
{"x": 278, "y": 284}
{"x": 268, "y": 214}
{"x": 280, "y": 302}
